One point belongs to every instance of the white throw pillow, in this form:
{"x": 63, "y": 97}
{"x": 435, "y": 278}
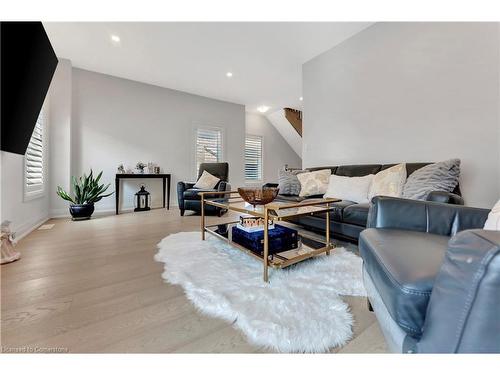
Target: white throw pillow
{"x": 389, "y": 182}
{"x": 493, "y": 221}
{"x": 349, "y": 188}
{"x": 314, "y": 183}
{"x": 206, "y": 181}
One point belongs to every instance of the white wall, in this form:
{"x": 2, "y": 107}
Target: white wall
{"x": 409, "y": 92}
{"x": 276, "y": 151}
{"x": 287, "y": 131}
{"x": 60, "y": 130}
{"x": 117, "y": 121}
{"x": 25, "y": 215}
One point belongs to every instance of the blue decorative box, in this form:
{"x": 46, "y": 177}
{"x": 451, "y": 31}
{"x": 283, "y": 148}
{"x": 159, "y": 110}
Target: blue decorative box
{"x": 280, "y": 239}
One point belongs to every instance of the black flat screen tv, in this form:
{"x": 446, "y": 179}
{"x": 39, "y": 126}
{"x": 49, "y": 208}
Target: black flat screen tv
{"x": 27, "y": 64}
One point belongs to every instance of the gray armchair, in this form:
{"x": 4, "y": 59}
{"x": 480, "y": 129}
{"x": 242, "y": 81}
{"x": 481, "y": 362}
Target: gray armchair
{"x": 188, "y": 197}
{"x": 432, "y": 277}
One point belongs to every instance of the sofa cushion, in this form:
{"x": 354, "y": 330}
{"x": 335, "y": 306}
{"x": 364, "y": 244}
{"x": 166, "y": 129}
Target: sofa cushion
{"x": 206, "y": 181}
{"x": 289, "y": 184}
{"x": 357, "y": 170}
{"x": 356, "y": 214}
{"x": 349, "y": 188}
{"x": 313, "y": 183}
{"x": 192, "y": 194}
{"x": 442, "y": 176}
{"x": 389, "y": 182}
{"x": 337, "y": 211}
{"x": 403, "y": 266}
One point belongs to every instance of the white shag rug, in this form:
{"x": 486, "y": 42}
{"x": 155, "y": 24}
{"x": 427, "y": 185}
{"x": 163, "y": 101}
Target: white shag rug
{"x": 299, "y": 310}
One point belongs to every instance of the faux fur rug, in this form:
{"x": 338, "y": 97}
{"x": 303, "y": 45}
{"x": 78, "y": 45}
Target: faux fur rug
{"x": 299, "y": 310}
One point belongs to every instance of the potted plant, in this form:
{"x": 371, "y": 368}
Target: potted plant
{"x": 87, "y": 191}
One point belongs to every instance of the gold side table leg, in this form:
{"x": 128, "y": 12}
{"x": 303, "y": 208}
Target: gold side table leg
{"x": 266, "y": 244}
{"x": 202, "y": 217}
{"x": 328, "y": 229}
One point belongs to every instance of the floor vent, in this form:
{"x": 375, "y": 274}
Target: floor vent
{"x": 46, "y": 227}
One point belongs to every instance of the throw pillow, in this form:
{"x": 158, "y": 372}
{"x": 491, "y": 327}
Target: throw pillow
{"x": 389, "y": 182}
{"x": 288, "y": 183}
{"x": 493, "y": 221}
{"x": 349, "y": 188}
{"x": 314, "y": 183}
{"x": 442, "y": 176}
{"x": 206, "y": 181}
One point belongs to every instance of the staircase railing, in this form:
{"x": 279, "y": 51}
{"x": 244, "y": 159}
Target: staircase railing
{"x": 294, "y": 117}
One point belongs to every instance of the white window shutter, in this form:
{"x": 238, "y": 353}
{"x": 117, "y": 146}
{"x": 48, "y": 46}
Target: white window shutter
{"x": 208, "y": 146}
{"x": 34, "y": 166}
{"x": 253, "y": 158}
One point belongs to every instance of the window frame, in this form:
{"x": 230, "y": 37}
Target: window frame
{"x": 257, "y": 181}
{"x": 38, "y": 191}
{"x": 198, "y": 127}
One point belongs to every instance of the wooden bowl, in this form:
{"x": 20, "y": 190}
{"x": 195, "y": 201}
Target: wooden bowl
{"x": 257, "y": 196}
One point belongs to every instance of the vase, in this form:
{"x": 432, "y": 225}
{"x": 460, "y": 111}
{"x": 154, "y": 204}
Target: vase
{"x": 81, "y": 211}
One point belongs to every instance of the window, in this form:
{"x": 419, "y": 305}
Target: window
{"x": 208, "y": 146}
{"x": 253, "y": 158}
{"x": 33, "y": 161}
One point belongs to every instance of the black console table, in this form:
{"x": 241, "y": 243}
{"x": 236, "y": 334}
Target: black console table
{"x": 163, "y": 176}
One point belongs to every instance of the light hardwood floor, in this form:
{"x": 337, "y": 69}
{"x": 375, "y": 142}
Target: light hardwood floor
{"x": 93, "y": 286}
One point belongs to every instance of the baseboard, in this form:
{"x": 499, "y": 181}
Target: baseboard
{"x": 26, "y": 228}
{"x": 59, "y": 213}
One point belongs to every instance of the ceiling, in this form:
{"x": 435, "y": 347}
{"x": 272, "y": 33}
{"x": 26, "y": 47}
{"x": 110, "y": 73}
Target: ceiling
{"x": 265, "y": 58}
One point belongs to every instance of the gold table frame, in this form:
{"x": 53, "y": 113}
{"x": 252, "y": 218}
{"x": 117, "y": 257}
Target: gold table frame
{"x": 276, "y": 211}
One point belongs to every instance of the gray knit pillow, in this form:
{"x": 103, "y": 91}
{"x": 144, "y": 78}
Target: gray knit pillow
{"x": 288, "y": 182}
{"x": 442, "y": 176}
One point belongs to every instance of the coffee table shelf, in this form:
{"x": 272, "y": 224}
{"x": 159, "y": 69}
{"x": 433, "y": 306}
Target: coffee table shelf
{"x": 276, "y": 211}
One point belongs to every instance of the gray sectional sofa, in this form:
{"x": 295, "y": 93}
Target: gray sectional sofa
{"x": 432, "y": 275}
{"x": 348, "y": 218}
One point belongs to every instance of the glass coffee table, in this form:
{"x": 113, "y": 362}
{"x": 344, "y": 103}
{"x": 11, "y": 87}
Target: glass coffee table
{"x": 275, "y": 211}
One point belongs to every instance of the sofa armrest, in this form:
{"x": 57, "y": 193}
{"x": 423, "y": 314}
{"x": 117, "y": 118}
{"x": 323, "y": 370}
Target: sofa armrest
{"x": 464, "y": 308}
{"x": 445, "y": 197}
{"x": 423, "y": 216}
{"x": 181, "y": 188}
{"x": 224, "y": 186}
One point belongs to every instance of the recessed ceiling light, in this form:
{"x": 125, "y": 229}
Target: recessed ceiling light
{"x": 115, "y": 38}
{"x": 229, "y": 74}
{"x": 301, "y": 98}
{"x": 263, "y": 108}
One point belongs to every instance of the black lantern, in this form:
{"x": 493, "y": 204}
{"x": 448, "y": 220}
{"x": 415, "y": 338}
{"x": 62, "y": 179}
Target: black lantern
{"x": 142, "y": 200}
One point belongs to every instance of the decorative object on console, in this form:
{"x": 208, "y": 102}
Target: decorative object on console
{"x": 153, "y": 168}
{"x": 256, "y": 196}
{"x": 206, "y": 181}
{"x": 288, "y": 183}
{"x": 354, "y": 189}
{"x": 120, "y": 169}
{"x": 87, "y": 192}
{"x": 9, "y": 254}
{"x": 314, "y": 183}
{"x": 442, "y": 176}
{"x": 142, "y": 200}
{"x": 139, "y": 167}
{"x": 389, "y": 182}
{"x": 493, "y": 220}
